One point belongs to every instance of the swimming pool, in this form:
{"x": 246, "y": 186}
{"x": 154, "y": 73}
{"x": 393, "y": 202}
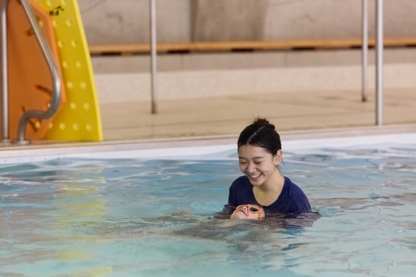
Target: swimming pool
{"x": 146, "y": 213}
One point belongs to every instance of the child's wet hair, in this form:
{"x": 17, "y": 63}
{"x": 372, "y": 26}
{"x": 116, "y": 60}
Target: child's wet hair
{"x": 261, "y": 134}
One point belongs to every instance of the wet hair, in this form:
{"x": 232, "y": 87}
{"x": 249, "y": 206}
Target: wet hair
{"x": 261, "y": 134}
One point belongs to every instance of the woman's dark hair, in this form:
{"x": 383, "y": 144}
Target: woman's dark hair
{"x": 261, "y": 134}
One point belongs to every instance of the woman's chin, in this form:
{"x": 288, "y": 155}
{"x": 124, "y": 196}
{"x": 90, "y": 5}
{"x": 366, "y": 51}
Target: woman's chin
{"x": 255, "y": 181}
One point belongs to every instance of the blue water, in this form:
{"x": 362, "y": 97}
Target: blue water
{"x": 132, "y": 217}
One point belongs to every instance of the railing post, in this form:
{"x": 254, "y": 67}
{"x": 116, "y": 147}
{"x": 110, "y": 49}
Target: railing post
{"x": 5, "y": 85}
{"x": 153, "y": 63}
{"x": 364, "y": 51}
{"x": 379, "y": 63}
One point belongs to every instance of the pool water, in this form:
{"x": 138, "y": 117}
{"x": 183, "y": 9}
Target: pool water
{"x": 153, "y": 217}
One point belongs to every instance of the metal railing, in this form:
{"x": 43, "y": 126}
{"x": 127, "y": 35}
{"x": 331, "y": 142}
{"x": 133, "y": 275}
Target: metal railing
{"x": 379, "y": 63}
{"x": 153, "y": 62}
{"x": 364, "y": 52}
{"x": 379, "y": 56}
{"x": 56, "y": 81}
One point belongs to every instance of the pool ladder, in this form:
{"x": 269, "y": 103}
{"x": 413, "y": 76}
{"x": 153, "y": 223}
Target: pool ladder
{"x": 56, "y": 81}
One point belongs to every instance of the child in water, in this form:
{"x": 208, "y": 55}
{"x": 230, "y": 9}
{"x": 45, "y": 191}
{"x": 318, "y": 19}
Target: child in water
{"x": 248, "y": 211}
{"x": 259, "y": 155}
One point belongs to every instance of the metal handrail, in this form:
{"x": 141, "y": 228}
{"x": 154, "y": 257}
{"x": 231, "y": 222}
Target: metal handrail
{"x": 379, "y": 57}
{"x": 56, "y": 80}
{"x": 153, "y": 56}
{"x": 364, "y": 51}
{"x": 5, "y": 83}
{"x": 379, "y": 63}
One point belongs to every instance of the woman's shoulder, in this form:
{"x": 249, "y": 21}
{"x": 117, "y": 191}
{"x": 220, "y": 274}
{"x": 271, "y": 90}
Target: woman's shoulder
{"x": 297, "y": 196}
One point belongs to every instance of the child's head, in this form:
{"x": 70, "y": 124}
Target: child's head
{"x": 248, "y": 211}
{"x": 261, "y": 134}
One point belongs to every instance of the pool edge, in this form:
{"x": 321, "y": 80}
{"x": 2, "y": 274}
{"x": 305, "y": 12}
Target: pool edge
{"x": 59, "y": 148}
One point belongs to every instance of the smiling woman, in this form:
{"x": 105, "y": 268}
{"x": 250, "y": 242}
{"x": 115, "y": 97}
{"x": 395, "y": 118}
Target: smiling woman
{"x": 259, "y": 154}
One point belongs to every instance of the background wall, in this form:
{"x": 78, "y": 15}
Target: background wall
{"x": 127, "y": 21}
{"x": 221, "y": 20}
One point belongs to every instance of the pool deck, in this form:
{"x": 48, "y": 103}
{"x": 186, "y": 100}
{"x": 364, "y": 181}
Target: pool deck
{"x": 221, "y": 93}
{"x": 226, "y": 116}
{"x": 218, "y": 120}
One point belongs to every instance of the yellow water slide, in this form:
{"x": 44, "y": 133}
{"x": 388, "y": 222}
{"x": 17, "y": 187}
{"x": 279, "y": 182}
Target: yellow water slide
{"x": 30, "y": 86}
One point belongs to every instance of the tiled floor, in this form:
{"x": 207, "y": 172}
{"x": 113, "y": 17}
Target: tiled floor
{"x": 228, "y": 115}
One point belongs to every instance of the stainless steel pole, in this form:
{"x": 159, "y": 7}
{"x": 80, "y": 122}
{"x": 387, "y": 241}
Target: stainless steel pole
{"x": 153, "y": 64}
{"x": 56, "y": 80}
{"x": 364, "y": 51}
{"x": 5, "y": 86}
{"x": 379, "y": 64}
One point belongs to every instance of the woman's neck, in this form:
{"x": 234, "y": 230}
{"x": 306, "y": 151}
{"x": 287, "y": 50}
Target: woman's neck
{"x": 274, "y": 183}
{"x": 269, "y": 192}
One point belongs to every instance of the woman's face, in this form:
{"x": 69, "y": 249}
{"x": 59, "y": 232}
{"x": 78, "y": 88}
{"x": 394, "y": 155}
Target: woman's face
{"x": 257, "y": 164}
{"x": 248, "y": 211}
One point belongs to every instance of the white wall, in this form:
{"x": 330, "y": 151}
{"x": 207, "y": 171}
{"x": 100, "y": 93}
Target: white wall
{"x": 127, "y": 21}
